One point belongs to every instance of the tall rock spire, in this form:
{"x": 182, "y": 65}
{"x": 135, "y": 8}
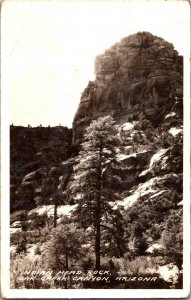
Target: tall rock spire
{"x": 140, "y": 75}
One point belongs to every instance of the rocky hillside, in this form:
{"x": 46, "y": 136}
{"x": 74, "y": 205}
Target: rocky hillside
{"x": 138, "y": 77}
{"x": 139, "y": 82}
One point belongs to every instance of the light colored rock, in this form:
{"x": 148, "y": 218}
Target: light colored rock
{"x": 169, "y": 273}
{"x": 160, "y": 193}
{"x": 13, "y": 230}
{"x": 180, "y": 203}
{"x": 147, "y": 188}
{"x": 147, "y": 174}
{"x": 127, "y": 126}
{"x": 38, "y": 190}
{"x": 155, "y": 248}
{"x": 16, "y": 224}
{"x": 64, "y": 210}
{"x": 29, "y": 177}
{"x": 129, "y": 201}
{"x": 175, "y": 131}
{"x": 121, "y": 156}
{"x": 125, "y": 157}
{"x": 172, "y": 114}
{"x": 13, "y": 249}
{"x": 157, "y": 157}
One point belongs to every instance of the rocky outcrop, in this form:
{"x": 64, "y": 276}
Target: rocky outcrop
{"x": 139, "y": 77}
{"x": 128, "y": 168}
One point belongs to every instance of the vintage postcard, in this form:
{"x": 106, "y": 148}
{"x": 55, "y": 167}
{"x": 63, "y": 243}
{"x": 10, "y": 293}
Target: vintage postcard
{"x": 95, "y": 149}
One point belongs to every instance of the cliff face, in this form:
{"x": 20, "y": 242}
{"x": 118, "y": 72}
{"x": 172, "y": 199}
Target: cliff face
{"x": 36, "y": 156}
{"x": 33, "y": 145}
{"x": 139, "y": 77}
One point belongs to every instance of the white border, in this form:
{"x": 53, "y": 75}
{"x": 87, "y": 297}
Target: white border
{"x": 6, "y": 292}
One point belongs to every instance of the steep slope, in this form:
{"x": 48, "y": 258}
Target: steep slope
{"x": 139, "y": 77}
{"x": 139, "y": 81}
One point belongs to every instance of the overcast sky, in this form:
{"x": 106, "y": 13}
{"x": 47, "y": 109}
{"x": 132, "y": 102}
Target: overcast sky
{"x": 49, "y": 47}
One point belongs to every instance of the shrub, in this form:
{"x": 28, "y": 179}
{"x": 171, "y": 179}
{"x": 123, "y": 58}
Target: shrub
{"x": 22, "y": 245}
{"x": 87, "y": 263}
{"x": 20, "y": 279}
{"x": 38, "y": 221}
{"x": 15, "y": 237}
{"x": 64, "y": 246}
{"x": 172, "y": 239}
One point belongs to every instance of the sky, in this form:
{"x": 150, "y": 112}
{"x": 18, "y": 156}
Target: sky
{"x": 48, "y": 49}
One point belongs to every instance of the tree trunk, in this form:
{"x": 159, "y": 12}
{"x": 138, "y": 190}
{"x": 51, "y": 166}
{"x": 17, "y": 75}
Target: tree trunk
{"x": 97, "y": 241}
{"x": 98, "y": 215}
{"x": 66, "y": 259}
{"x": 66, "y": 266}
{"x": 55, "y": 212}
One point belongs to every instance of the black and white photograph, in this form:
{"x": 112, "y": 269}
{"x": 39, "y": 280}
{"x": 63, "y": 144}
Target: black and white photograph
{"x": 95, "y": 148}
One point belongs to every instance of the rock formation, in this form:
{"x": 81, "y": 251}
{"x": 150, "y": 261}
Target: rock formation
{"x": 139, "y": 81}
{"x": 139, "y": 77}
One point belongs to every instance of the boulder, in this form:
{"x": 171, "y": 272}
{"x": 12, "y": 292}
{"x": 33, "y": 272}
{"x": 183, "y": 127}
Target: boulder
{"x": 155, "y": 248}
{"x": 169, "y": 273}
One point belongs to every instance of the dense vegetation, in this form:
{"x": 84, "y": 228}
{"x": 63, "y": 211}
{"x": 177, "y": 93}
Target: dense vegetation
{"x": 97, "y": 235}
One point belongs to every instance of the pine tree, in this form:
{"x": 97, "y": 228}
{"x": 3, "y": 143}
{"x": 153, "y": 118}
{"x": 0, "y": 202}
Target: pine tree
{"x": 91, "y": 186}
